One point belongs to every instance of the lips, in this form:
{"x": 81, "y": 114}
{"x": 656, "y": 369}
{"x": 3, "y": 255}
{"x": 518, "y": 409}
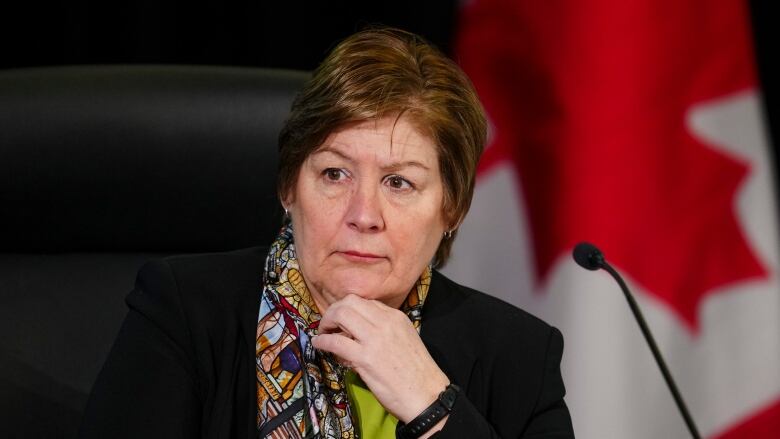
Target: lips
{"x": 357, "y": 256}
{"x": 362, "y": 255}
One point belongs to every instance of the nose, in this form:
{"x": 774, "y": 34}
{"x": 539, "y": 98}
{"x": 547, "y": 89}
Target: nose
{"x": 364, "y": 213}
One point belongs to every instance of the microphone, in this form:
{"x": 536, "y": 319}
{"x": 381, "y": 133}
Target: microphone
{"x": 588, "y": 256}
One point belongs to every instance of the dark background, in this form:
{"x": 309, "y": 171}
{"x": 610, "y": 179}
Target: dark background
{"x": 290, "y": 34}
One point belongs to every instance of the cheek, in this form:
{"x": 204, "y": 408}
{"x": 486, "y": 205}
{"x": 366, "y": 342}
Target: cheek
{"x": 316, "y": 218}
{"x": 315, "y": 207}
{"x": 419, "y": 233}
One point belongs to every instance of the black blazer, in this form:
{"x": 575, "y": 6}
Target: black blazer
{"x": 183, "y": 364}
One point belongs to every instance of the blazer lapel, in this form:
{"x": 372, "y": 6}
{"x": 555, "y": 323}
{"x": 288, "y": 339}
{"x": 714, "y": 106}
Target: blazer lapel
{"x": 445, "y": 330}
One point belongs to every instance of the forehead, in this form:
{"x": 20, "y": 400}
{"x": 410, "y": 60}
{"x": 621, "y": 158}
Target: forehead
{"x": 387, "y": 139}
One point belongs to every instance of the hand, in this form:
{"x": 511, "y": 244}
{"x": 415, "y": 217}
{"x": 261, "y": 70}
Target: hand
{"x": 382, "y": 346}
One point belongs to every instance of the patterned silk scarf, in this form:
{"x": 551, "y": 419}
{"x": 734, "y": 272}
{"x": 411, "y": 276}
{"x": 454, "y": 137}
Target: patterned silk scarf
{"x": 301, "y": 392}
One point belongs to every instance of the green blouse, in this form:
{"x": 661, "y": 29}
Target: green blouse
{"x": 373, "y": 421}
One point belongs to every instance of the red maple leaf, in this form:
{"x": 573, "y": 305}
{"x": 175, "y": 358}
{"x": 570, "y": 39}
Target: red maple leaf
{"x": 588, "y": 101}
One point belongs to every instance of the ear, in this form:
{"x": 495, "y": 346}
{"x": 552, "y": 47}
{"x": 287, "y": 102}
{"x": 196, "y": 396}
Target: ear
{"x": 454, "y": 224}
{"x": 286, "y": 204}
{"x": 287, "y": 199}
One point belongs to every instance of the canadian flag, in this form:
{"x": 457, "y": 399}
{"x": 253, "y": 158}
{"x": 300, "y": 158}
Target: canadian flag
{"x": 637, "y": 126}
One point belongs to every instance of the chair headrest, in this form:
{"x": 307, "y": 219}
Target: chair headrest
{"x": 140, "y": 158}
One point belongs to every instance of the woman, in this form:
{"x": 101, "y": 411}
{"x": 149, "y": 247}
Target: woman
{"x": 342, "y": 328}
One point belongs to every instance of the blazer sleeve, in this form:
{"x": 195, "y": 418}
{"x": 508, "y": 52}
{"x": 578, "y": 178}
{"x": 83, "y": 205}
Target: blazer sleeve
{"x": 550, "y": 418}
{"x": 148, "y": 385}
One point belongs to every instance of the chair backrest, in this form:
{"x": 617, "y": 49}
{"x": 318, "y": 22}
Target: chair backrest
{"x": 102, "y": 167}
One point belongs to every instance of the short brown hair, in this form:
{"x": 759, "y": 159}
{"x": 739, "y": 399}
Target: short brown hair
{"x": 381, "y": 72}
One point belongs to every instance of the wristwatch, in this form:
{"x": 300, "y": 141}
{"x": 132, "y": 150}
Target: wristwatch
{"x": 430, "y": 416}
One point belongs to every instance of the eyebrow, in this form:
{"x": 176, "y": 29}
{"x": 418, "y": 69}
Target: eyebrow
{"x": 389, "y": 167}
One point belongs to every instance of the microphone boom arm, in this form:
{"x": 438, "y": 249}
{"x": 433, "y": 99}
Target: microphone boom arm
{"x": 654, "y": 348}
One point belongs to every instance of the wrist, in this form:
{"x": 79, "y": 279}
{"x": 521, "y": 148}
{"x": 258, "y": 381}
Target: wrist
{"x": 432, "y": 418}
{"x": 419, "y": 398}
{"x": 435, "y": 428}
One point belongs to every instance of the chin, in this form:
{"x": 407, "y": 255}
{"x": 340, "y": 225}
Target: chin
{"x": 360, "y": 282}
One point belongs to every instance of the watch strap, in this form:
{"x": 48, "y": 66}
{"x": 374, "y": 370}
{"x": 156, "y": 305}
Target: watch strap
{"x": 429, "y": 417}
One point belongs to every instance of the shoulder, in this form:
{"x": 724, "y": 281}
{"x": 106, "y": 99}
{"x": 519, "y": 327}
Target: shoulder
{"x": 452, "y": 301}
{"x": 207, "y": 289}
{"x": 204, "y": 266}
{"x": 206, "y": 271}
{"x": 470, "y": 324}
{"x": 226, "y": 272}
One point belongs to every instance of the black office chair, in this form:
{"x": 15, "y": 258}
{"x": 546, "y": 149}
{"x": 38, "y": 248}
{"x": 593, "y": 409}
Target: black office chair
{"x": 101, "y": 168}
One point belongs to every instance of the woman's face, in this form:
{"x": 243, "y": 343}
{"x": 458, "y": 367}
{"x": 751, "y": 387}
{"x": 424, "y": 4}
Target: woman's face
{"x": 367, "y": 212}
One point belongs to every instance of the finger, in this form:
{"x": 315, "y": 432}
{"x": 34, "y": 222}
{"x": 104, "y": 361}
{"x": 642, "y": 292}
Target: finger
{"x": 380, "y": 305}
{"x": 342, "y": 347}
{"x": 345, "y": 317}
{"x": 378, "y": 311}
{"x": 370, "y": 309}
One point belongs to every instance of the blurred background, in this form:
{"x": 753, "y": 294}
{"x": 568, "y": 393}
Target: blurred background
{"x": 602, "y": 115}
{"x": 290, "y": 34}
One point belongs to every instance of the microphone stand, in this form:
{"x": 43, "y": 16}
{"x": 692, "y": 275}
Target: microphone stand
{"x": 654, "y": 348}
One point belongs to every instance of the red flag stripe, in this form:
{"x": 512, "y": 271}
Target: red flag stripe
{"x": 764, "y": 423}
{"x": 590, "y": 105}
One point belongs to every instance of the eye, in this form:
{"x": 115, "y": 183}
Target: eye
{"x": 334, "y": 174}
{"x": 398, "y": 182}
